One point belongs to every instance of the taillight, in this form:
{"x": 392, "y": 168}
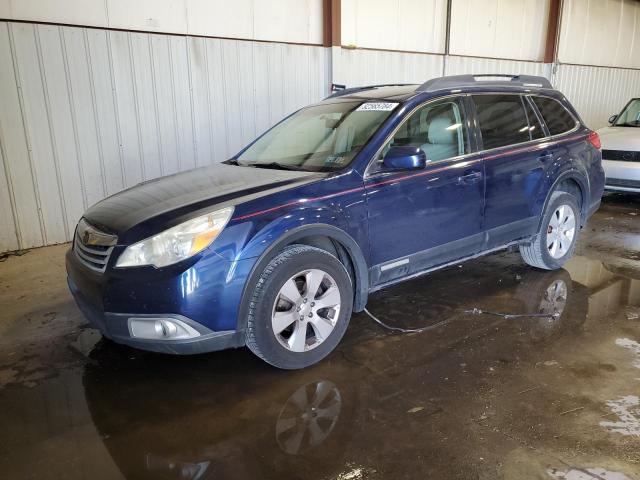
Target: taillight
{"x": 594, "y": 139}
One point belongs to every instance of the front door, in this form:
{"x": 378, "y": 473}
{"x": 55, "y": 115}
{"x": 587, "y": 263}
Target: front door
{"x": 419, "y": 219}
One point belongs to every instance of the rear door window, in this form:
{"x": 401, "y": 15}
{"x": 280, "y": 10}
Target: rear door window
{"x": 557, "y": 118}
{"x": 502, "y": 120}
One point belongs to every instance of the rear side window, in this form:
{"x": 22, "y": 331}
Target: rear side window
{"x": 556, "y": 117}
{"x": 502, "y": 120}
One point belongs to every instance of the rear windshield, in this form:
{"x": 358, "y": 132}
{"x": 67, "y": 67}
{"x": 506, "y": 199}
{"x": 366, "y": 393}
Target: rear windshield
{"x": 322, "y": 137}
{"x": 557, "y": 118}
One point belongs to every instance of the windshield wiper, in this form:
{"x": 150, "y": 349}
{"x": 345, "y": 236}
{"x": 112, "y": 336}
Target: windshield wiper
{"x": 276, "y": 166}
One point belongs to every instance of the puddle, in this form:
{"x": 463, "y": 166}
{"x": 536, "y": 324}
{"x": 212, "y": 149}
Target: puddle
{"x": 587, "y": 474}
{"x": 628, "y": 410}
{"x": 454, "y": 402}
{"x": 631, "y": 345}
{"x": 352, "y": 473}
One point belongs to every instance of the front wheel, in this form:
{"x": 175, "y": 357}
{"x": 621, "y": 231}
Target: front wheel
{"x": 300, "y": 308}
{"x": 555, "y": 242}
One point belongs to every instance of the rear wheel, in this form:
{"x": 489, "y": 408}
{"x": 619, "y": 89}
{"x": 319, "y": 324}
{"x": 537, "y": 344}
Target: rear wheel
{"x": 300, "y": 308}
{"x": 555, "y": 242}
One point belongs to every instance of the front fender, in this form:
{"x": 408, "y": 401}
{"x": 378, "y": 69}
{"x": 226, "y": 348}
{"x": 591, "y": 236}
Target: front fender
{"x": 291, "y": 234}
{"x": 270, "y": 235}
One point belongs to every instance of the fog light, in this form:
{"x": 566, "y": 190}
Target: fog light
{"x": 161, "y": 329}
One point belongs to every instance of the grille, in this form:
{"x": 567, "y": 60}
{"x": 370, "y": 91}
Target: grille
{"x": 620, "y": 182}
{"x": 93, "y": 247}
{"x": 621, "y": 155}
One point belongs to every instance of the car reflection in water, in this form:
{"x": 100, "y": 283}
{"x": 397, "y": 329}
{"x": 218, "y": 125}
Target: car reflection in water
{"x": 305, "y": 421}
{"x": 228, "y": 415}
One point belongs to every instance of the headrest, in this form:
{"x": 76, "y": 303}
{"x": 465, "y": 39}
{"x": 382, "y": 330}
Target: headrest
{"x": 438, "y": 133}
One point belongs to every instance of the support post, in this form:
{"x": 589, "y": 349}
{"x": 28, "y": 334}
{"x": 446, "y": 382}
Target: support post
{"x": 553, "y": 30}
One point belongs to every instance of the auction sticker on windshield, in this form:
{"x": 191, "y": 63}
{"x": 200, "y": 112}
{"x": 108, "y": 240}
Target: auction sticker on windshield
{"x": 377, "y": 107}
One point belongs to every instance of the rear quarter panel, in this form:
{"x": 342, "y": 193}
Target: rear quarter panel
{"x": 576, "y": 159}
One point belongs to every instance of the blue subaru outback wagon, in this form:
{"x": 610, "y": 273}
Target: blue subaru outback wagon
{"x": 276, "y": 247}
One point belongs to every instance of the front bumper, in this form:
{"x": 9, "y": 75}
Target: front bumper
{"x": 115, "y": 326}
{"x": 622, "y": 176}
{"x": 204, "y": 295}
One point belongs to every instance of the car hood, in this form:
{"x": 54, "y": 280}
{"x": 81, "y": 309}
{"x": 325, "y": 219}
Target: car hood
{"x": 620, "y": 138}
{"x": 179, "y": 194}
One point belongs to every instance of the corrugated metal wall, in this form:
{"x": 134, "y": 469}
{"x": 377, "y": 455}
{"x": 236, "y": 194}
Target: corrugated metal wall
{"x": 371, "y": 67}
{"x": 409, "y": 25}
{"x": 295, "y": 21}
{"x": 85, "y": 113}
{"x": 368, "y": 67}
{"x": 499, "y": 28}
{"x": 597, "y": 92}
{"x": 603, "y": 32}
{"x": 461, "y": 65}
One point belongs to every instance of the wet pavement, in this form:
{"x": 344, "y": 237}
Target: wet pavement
{"x": 480, "y": 397}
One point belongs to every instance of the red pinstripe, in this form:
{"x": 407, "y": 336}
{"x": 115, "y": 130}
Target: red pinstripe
{"x": 402, "y": 178}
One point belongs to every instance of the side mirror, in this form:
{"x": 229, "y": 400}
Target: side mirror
{"x": 612, "y": 119}
{"x": 404, "y": 158}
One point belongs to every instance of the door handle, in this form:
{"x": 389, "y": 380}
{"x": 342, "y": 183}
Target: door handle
{"x": 472, "y": 177}
{"x": 545, "y": 157}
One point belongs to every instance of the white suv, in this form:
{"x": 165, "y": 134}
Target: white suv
{"x": 621, "y": 149}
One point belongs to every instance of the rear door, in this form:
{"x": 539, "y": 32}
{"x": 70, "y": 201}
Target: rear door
{"x": 514, "y": 165}
{"x": 422, "y": 218}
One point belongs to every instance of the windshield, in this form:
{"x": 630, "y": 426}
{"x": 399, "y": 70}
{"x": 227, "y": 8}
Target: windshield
{"x": 630, "y": 116}
{"x": 322, "y": 137}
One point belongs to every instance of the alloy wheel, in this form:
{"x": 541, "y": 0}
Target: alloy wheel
{"x": 306, "y": 310}
{"x": 561, "y": 231}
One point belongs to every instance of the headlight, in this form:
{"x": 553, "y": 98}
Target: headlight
{"x": 177, "y": 243}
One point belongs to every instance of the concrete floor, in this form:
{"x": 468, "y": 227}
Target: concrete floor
{"x": 481, "y": 397}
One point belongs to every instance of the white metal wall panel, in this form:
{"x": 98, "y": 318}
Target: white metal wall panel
{"x": 460, "y": 65}
{"x": 499, "y": 28}
{"x": 369, "y": 67}
{"x": 182, "y": 96}
{"x": 83, "y": 12}
{"x": 34, "y": 108}
{"x": 409, "y": 25}
{"x": 296, "y": 21}
{"x": 148, "y": 15}
{"x": 85, "y": 113}
{"x": 597, "y": 92}
{"x": 603, "y": 32}
{"x": 21, "y": 184}
{"x": 65, "y": 154}
{"x": 8, "y": 233}
{"x": 288, "y": 20}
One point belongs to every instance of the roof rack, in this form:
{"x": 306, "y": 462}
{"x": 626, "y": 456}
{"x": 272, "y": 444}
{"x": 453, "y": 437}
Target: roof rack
{"x": 493, "y": 80}
{"x": 340, "y": 90}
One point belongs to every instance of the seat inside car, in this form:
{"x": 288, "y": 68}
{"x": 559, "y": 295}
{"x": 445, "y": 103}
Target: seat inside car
{"x": 441, "y": 139}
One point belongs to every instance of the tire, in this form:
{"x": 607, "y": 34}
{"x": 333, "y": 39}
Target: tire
{"x": 300, "y": 263}
{"x": 537, "y": 253}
